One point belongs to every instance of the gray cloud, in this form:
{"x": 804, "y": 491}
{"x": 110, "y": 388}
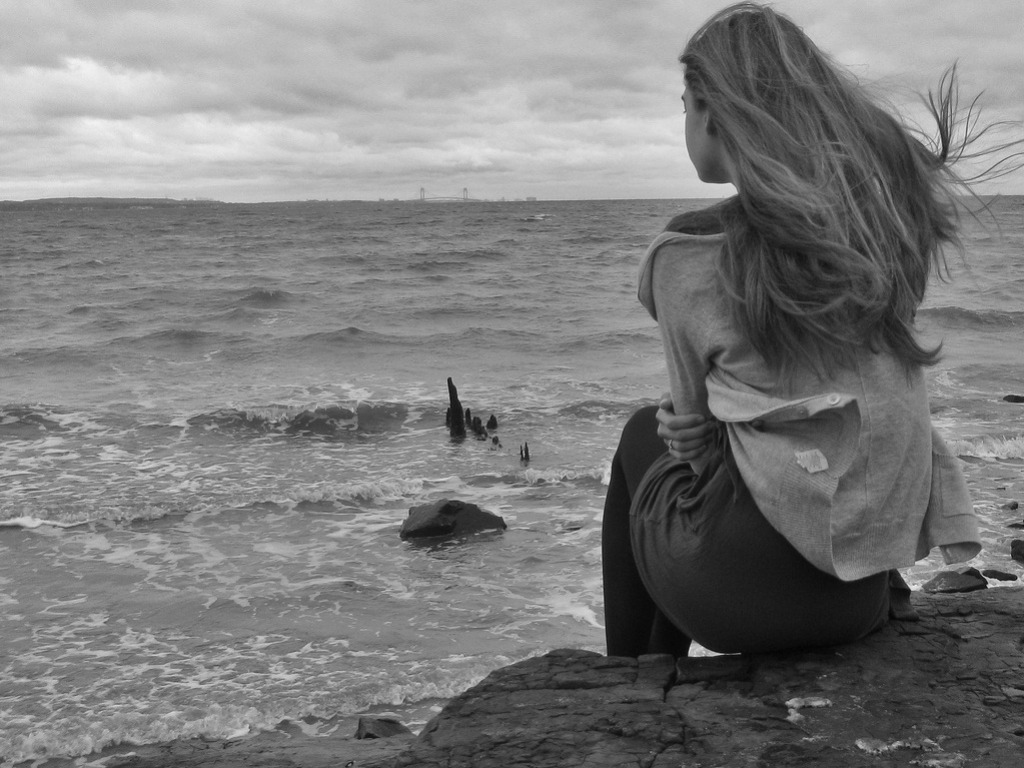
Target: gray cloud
{"x": 368, "y": 98}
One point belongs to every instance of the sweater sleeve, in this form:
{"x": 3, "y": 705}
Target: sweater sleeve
{"x": 679, "y": 287}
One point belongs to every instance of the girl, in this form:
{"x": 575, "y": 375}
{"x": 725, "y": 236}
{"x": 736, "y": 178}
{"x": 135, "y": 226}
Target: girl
{"x": 793, "y": 465}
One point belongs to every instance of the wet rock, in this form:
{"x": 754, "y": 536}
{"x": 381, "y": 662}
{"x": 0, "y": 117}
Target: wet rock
{"x": 941, "y": 692}
{"x": 697, "y": 668}
{"x": 966, "y": 580}
{"x": 449, "y": 518}
{"x": 380, "y": 728}
{"x": 1017, "y": 550}
{"x": 992, "y": 573}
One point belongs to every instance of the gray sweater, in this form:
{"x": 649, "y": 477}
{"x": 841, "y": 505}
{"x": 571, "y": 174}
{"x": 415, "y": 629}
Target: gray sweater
{"x": 849, "y": 470}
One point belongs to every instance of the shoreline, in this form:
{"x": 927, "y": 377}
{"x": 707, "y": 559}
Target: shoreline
{"x": 943, "y": 687}
{"x": 996, "y": 488}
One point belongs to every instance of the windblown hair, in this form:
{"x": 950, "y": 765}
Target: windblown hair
{"x": 841, "y": 210}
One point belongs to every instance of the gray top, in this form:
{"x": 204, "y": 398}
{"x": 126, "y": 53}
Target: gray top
{"x": 848, "y": 469}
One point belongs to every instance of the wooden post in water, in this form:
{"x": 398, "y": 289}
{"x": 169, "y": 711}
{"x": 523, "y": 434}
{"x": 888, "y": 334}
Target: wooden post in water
{"x": 456, "y": 416}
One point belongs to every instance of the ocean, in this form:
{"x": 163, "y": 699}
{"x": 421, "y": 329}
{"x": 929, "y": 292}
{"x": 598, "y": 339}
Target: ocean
{"x": 215, "y": 417}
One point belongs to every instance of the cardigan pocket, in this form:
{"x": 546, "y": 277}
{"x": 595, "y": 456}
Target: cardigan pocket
{"x": 949, "y": 493}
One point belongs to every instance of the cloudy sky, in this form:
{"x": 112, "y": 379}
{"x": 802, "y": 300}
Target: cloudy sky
{"x": 247, "y": 100}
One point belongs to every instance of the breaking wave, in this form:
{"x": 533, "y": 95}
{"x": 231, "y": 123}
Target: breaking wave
{"x": 989, "y": 447}
{"x": 960, "y": 317}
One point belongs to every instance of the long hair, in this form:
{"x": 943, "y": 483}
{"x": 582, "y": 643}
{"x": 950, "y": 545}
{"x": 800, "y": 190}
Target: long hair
{"x": 841, "y": 211}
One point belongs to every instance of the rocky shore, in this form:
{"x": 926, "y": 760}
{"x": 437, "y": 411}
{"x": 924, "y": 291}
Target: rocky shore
{"x": 943, "y": 691}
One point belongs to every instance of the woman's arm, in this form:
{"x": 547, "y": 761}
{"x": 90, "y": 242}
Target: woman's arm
{"x": 687, "y": 435}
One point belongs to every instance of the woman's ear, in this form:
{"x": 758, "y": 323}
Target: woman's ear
{"x": 709, "y": 124}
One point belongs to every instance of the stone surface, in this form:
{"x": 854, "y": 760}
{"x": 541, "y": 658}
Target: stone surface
{"x": 946, "y": 691}
{"x": 380, "y": 728}
{"x": 449, "y": 518}
{"x": 967, "y": 580}
{"x": 1017, "y": 550}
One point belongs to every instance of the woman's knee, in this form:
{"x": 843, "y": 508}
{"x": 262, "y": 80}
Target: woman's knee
{"x": 641, "y": 428}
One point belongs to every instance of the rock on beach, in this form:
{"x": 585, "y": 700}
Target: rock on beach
{"x": 966, "y": 580}
{"x": 449, "y": 517}
{"x": 1017, "y": 550}
{"x": 946, "y": 691}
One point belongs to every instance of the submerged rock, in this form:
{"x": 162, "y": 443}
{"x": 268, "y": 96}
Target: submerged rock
{"x": 449, "y": 518}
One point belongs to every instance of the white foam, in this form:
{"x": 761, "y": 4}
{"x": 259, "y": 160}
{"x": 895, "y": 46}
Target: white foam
{"x": 26, "y": 521}
{"x": 989, "y": 447}
{"x": 380, "y": 490}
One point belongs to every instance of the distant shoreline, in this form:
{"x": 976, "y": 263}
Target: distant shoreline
{"x": 105, "y": 202}
{"x": 166, "y": 202}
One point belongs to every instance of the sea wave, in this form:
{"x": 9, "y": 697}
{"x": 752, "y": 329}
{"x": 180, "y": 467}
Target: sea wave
{"x": 326, "y": 421}
{"x": 266, "y": 297}
{"x": 84, "y": 513}
{"x": 989, "y": 447}
{"x": 27, "y": 521}
{"x": 29, "y": 421}
{"x": 33, "y": 421}
{"x": 961, "y": 317}
{"x": 474, "y": 337}
{"x": 598, "y": 409}
{"x": 538, "y": 477}
{"x": 325, "y": 498}
{"x": 429, "y": 261}
{"x": 560, "y": 475}
{"x": 349, "y": 336}
{"x": 178, "y": 337}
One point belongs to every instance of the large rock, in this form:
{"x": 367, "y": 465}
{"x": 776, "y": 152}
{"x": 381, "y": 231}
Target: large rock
{"x": 946, "y": 691}
{"x": 449, "y": 518}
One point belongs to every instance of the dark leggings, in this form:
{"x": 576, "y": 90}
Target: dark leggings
{"x": 687, "y": 556}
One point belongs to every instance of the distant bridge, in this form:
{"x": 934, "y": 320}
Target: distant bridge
{"x": 464, "y": 199}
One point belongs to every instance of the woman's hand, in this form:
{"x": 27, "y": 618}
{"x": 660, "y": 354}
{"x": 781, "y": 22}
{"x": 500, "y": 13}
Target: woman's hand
{"x": 687, "y": 435}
